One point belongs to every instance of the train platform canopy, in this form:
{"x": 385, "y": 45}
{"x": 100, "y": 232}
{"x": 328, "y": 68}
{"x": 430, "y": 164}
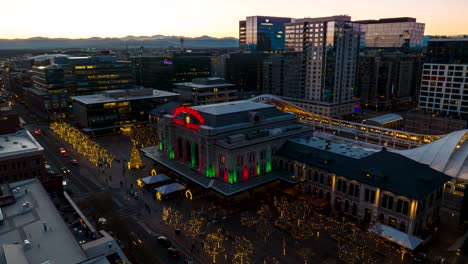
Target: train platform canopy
{"x": 170, "y": 188}
{"x": 448, "y": 154}
{"x": 396, "y": 236}
{"x": 155, "y": 179}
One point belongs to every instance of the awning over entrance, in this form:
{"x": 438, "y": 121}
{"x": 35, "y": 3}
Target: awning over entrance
{"x": 396, "y": 236}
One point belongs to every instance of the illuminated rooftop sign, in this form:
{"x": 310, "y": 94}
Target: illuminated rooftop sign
{"x": 190, "y": 117}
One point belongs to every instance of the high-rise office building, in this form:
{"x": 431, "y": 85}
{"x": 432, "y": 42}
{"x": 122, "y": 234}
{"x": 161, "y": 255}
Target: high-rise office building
{"x": 387, "y": 79}
{"x": 70, "y": 76}
{"x": 447, "y": 51}
{"x": 162, "y": 71}
{"x": 329, "y": 46}
{"x": 245, "y": 70}
{"x": 262, "y": 33}
{"x": 401, "y": 32}
{"x": 283, "y": 75}
{"x": 444, "y": 82}
{"x": 83, "y": 75}
{"x": 242, "y": 31}
{"x": 154, "y": 71}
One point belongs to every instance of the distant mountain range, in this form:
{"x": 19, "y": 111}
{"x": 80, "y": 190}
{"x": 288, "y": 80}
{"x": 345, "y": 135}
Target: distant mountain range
{"x": 156, "y": 41}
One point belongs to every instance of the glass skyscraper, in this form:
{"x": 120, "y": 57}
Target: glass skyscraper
{"x": 401, "y": 32}
{"x": 262, "y": 33}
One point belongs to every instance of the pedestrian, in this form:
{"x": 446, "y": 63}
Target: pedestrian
{"x": 110, "y": 177}
{"x": 193, "y": 247}
{"x": 121, "y": 184}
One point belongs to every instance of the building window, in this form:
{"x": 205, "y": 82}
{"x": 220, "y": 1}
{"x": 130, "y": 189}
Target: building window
{"x": 403, "y": 226}
{"x": 346, "y": 206}
{"x": 354, "y": 212}
{"x": 252, "y": 156}
{"x": 321, "y": 178}
{"x": 369, "y": 196}
{"x": 239, "y": 160}
{"x": 329, "y": 180}
{"x": 262, "y": 154}
{"x": 392, "y": 222}
{"x": 338, "y": 203}
{"x": 387, "y": 202}
{"x": 316, "y": 176}
{"x": 381, "y": 218}
{"x": 222, "y": 159}
{"x": 341, "y": 185}
{"x": 354, "y": 189}
{"x": 309, "y": 175}
{"x": 402, "y": 207}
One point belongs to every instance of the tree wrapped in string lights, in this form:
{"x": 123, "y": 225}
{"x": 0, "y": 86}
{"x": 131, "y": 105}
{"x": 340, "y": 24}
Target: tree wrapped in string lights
{"x": 306, "y": 254}
{"x": 270, "y": 260}
{"x": 213, "y": 243}
{"x": 243, "y": 248}
{"x": 135, "y": 161}
{"x": 194, "y": 226}
{"x": 172, "y": 217}
{"x": 89, "y": 149}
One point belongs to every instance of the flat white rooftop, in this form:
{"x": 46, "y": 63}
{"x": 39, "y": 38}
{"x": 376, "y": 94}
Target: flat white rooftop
{"x": 100, "y": 98}
{"x": 18, "y": 144}
{"x": 341, "y": 149}
{"x": 24, "y": 220}
{"x": 202, "y": 86}
{"x": 231, "y": 107}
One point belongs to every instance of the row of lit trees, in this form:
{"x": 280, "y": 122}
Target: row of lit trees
{"x": 214, "y": 242}
{"x": 82, "y": 144}
{"x": 354, "y": 244}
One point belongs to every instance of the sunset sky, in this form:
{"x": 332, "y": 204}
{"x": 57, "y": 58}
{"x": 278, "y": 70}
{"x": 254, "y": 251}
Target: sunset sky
{"x": 217, "y": 18}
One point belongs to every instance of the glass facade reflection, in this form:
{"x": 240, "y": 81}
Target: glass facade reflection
{"x": 329, "y": 47}
{"x": 402, "y": 32}
{"x": 263, "y": 33}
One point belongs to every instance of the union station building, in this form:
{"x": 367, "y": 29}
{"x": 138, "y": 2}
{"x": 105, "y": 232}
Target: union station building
{"x": 238, "y": 146}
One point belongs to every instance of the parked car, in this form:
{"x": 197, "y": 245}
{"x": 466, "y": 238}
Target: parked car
{"x": 174, "y": 253}
{"x": 164, "y": 241}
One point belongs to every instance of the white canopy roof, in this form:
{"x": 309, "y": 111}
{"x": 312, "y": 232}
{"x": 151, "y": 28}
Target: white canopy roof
{"x": 155, "y": 179}
{"x": 448, "y": 154}
{"x": 170, "y": 188}
{"x": 396, "y": 236}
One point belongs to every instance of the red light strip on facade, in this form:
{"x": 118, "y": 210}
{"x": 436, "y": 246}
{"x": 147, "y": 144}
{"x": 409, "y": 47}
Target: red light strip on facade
{"x": 190, "y": 111}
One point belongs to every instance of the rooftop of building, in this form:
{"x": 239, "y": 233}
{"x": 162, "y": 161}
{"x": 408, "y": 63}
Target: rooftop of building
{"x": 231, "y": 107}
{"x": 205, "y": 83}
{"x": 270, "y": 17}
{"x": 449, "y": 39}
{"x": 120, "y": 95}
{"x": 386, "y": 20}
{"x": 18, "y": 144}
{"x": 387, "y": 170}
{"x": 24, "y": 238}
{"x": 336, "y": 148}
{"x": 385, "y": 119}
{"x": 320, "y": 19}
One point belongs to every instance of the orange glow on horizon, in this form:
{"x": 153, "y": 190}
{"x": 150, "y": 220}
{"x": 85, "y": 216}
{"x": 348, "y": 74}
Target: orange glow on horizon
{"x": 215, "y": 18}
